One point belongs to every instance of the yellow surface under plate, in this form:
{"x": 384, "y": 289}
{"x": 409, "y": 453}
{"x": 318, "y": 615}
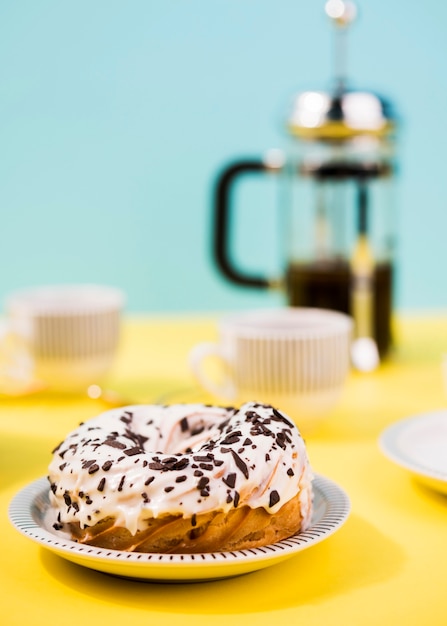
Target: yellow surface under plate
{"x": 385, "y": 565}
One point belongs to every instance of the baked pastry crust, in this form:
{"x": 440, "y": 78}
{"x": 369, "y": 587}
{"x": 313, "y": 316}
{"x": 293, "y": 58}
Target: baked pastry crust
{"x": 217, "y": 531}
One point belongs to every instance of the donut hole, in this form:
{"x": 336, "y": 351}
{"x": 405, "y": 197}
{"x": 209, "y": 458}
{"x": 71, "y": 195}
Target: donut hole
{"x": 193, "y": 432}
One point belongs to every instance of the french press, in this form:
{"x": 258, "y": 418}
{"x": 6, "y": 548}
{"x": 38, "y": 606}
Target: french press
{"x": 338, "y": 169}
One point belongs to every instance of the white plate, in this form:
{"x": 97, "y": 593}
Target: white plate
{"x": 28, "y": 509}
{"x": 419, "y": 444}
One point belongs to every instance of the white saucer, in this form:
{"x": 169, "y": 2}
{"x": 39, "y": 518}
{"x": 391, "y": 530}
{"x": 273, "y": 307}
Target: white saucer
{"x": 419, "y": 444}
{"x": 28, "y": 510}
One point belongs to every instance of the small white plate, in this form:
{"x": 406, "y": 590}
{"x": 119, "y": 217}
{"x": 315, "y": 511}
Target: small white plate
{"x": 419, "y": 444}
{"x": 28, "y": 509}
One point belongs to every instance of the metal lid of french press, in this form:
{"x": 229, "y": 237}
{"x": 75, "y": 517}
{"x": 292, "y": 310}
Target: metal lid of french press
{"x": 342, "y": 113}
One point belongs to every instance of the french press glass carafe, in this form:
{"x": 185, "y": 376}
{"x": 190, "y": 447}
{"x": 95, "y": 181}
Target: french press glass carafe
{"x": 338, "y": 171}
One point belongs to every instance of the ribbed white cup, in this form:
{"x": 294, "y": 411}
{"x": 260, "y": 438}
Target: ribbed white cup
{"x": 294, "y": 358}
{"x": 66, "y": 335}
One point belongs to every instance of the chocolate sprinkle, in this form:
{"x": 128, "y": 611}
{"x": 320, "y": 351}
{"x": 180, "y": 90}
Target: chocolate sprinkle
{"x": 133, "y": 451}
{"x": 113, "y": 443}
{"x": 274, "y": 498}
{"x": 230, "y": 480}
{"x": 87, "y": 464}
{"x": 203, "y": 482}
{"x": 206, "y": 466}
{"x": 281, "y": 418}
{"x": 240, "y": 463}
{"x": 184, "y": 425}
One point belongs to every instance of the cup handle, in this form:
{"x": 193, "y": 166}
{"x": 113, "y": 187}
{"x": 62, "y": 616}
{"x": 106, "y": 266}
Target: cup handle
{"x": 202, "y": 351}
{"x": 16, "y": 366}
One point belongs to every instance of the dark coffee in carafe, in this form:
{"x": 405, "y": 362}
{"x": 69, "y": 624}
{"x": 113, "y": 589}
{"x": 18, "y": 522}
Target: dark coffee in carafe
{"x": 327, "y": 285}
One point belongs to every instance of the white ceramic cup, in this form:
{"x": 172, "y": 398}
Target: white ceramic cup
{"x": 63, "y": 337}
{"x": 296, "y": 359}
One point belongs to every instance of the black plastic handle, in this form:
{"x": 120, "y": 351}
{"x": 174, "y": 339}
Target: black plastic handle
{"x": 222, "y": 219}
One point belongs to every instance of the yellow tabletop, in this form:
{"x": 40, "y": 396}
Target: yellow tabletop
{"x": 385, "y": 565}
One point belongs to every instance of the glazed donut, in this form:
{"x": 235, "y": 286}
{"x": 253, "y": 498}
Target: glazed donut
{"x": 183, "y": 478}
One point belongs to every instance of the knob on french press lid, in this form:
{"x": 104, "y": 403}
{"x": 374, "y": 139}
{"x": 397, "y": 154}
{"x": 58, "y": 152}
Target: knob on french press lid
{"x": 340, "y": 113}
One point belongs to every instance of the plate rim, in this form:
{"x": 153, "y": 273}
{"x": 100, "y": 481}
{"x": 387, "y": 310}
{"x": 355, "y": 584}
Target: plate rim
{"x": 389, "y": 447}
{"x": 20, "y": 512}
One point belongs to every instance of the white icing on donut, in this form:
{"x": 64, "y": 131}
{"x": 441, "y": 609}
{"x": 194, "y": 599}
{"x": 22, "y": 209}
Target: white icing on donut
{"x": 146, "y": 461}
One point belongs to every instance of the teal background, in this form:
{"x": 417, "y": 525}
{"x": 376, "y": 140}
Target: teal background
{"x": 115, "y": 117}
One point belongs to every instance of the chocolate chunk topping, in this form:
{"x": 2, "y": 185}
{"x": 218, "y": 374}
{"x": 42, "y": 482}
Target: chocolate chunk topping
{"x": 184, "y": 425}
{"x": 156, "y": 465}
{"x": 87, "y": 464}
{"x": 240, "y": 463}
{"x": 274, "y": 498}
{"x": 93, "y": 468}
{"x": 101, "y": 485}
{"x": 232, "y": 438}
{"x": 230, "y": 480}
{"x": 197, "y": 430}
{"x": 203, "y": 482}
{"x": 107, "y": 465}
{"x": 280, "y": 418}
{"x": 181, "y": 464}
{"x": 113, "y": 443}
{"x": 206, "y": 466}
{"x": 204, "y": 459}
{"x": 136, "y": 438}
{"x": 133, "y": 451}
